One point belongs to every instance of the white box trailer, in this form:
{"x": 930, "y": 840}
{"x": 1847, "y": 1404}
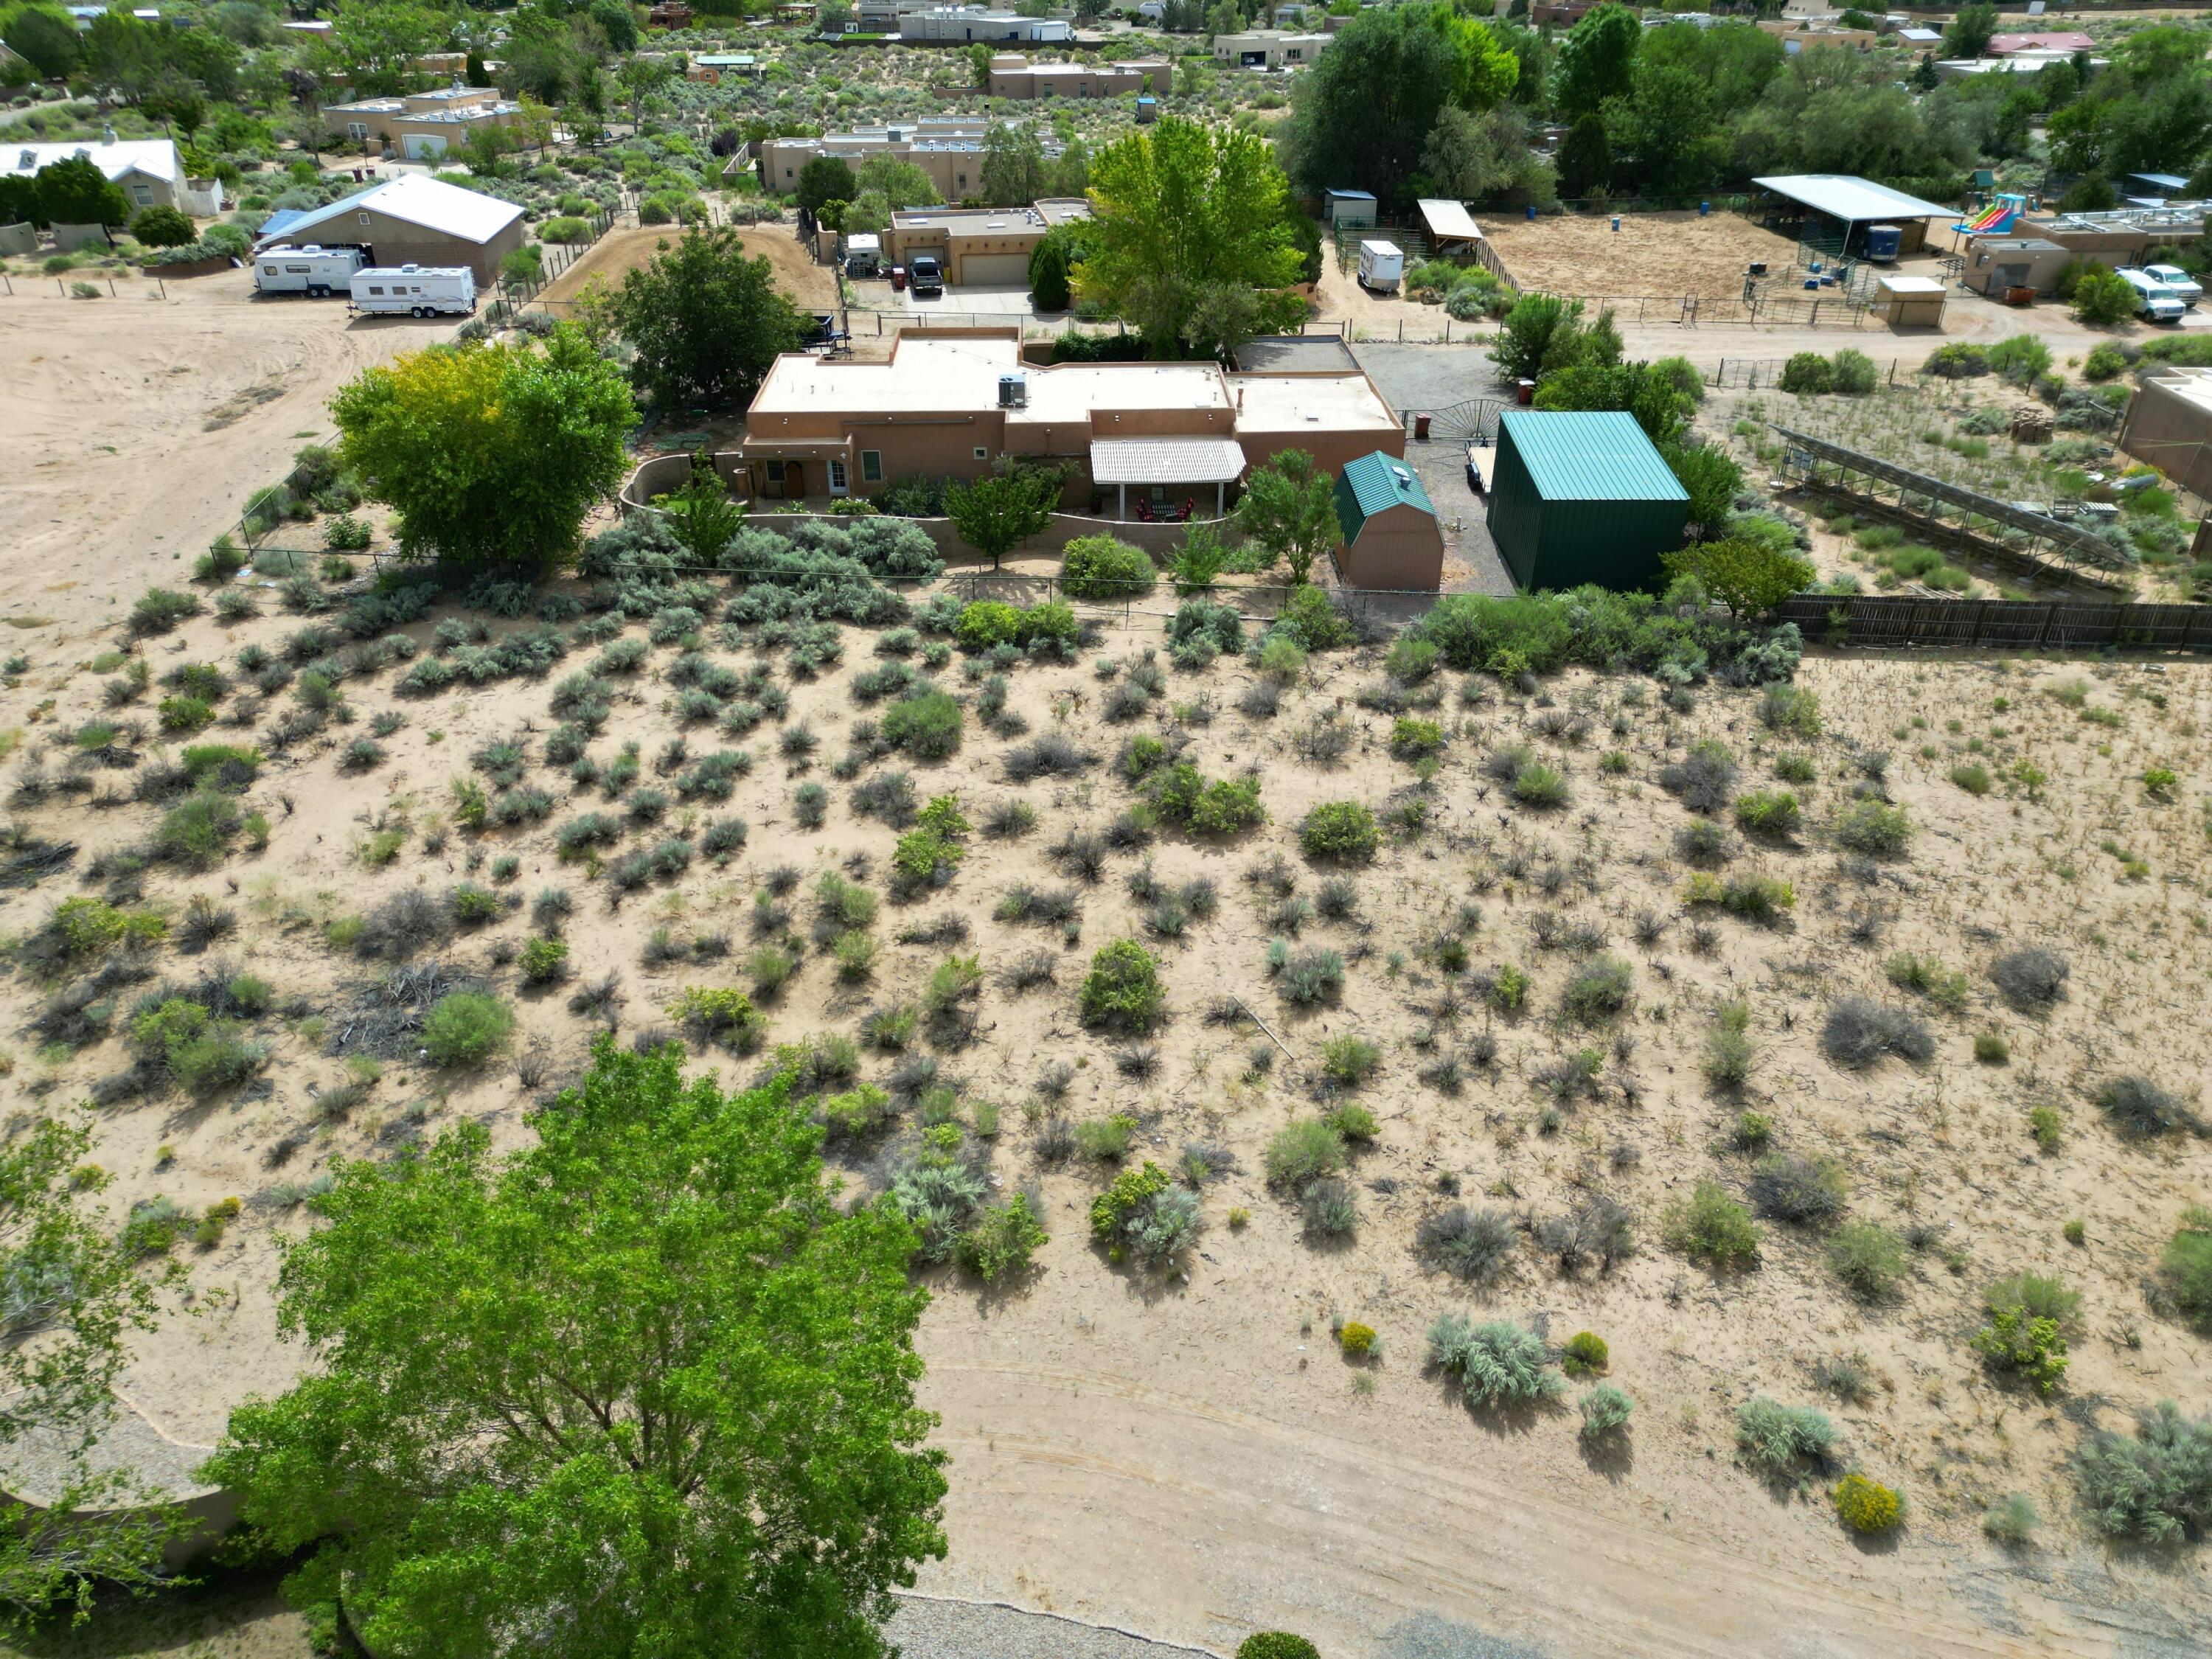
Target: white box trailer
{"x": 1381, "y": 267}
{"x": 418, "y": 290}
{"x": 314, "y": 270}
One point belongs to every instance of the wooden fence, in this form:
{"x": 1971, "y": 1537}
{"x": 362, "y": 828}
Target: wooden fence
{"x": 1881, "y": 621}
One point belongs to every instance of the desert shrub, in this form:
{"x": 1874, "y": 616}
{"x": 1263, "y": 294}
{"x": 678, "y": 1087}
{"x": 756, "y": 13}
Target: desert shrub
{"x": 158, "y": 610}
{"x": 1807, "y": 371}
{"x": 1605, "y": 1411}
{"x": 1868, "y": 1259}
{"x": 1304, "y": 1152}
{"x": 544, "y": 961}
{"x": 1143, "y": 1214}
{"x": 1122, "y": 992}
{"x": 1769, "y": 812}
{"x": 1808, "y": 1191}
{"x": 1598, "y": 991}
{"x": 1349, "y": 1060}
{"x": 2016, "y": 1343}
{"x": 1712, "y": 1227}
{"x": 466, "y": 1028}
{"x": 2186, "y": 1272}
{"x": 926, "y": 726}
{"x": 1497, "y": 1362}
{"x": 1411, "y": 739}
{"x": 1866, "y": 1506}
{"x": 1102, "y": 568}
{"x": 2156, "y": 1487}
{"x": 2012, "y": 1520}
{"x": 1343, "y": 832}
{"x": 196, "y": 832}
{"x": 1276, "y": 1644}
{"x": 1050, "y": 756}
{"x": 1537, "y": 785}
{"x": 1471, "y": 1244}
{"x": 721, "y": 1013}
{"x": 1776, "y": 1438}
{"x": 1874, "y": 828}
{"x": 1859, "y": 1031}
{"x": 1585, "y": 1355}
{"x": 2141, "y": 1110}
{"x": 1000, "y": 1240}
{"x": 1703, "y": 778}
{"x": 1353, "y": 1121}
{"x": 1306, "y": 978}
{"x": 1909, "y": 970}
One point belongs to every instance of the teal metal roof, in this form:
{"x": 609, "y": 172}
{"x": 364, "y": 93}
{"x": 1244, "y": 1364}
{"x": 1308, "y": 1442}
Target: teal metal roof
{"x": 1584, "y": 455}
{"x": 1373, "y": 483}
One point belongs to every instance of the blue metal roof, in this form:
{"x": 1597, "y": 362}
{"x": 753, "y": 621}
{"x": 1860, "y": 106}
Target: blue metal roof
{"x": 281, "y": 221}
{"x": 1373, "y": 483}
{"x": 1590, "y": 456}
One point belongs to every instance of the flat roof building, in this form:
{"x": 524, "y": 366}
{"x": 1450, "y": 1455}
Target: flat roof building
{"x": 959, "y": 25}
{"x": 951, "y": 402}
{"x": 1580, "y": 497}
{"x": 948, "y": 148}
{"x": 1013, "y": 76}
{"x": 978, "y": 247}
{"x": 2168, "y": 425}
{"x": 423, "y": 125}
{"x": 1269, "y": 48}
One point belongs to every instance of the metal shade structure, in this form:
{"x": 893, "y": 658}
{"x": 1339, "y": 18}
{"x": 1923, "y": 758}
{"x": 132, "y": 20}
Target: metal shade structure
{"x": 2073, "y": 539}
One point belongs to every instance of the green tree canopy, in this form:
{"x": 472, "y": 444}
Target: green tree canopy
{"x": 1051, "y": 265}
{"x": 75, "y": 192}
{"x": 1183, "y": 212}
{"x": 377, "y": 41}
{"x": 1585, "y": 158}
{"x": 1597, "y": 59}
{"x": 1013, "y": 166}
{"x": 825, "y": 179}
{"x": 1748, "y": 577}
{"x": 641, "y": 1387}
{"x": 706, "y": 318}
{"x": 47, "y": 39}
{"x": 1972, "y": 29}
{"x": 1289, "y": 507}
{"x": 998, "y": 511}
{"x": 1487, "y": 158}
{"x": 72, "y": 1297}
{"x": 1366, "y": 110}
{"x": 491, "y": 454}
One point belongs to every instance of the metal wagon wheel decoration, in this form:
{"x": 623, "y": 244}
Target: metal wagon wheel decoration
{"x": 1472, "y": 422}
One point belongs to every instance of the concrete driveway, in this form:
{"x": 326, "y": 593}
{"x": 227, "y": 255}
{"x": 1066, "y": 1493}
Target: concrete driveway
{"x": 1437, "y": 378}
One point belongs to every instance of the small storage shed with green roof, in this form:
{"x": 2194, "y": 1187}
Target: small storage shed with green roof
{"x": 1580, "y": 497}
{"x": 1391, "y": 536}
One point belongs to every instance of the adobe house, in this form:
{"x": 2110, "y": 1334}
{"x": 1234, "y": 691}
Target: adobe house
{"x": 1136, "y": 436}
{"x": 978, "y": 246}
{"x": 1391, "y": 538}
{"x": 1013, "y": 76}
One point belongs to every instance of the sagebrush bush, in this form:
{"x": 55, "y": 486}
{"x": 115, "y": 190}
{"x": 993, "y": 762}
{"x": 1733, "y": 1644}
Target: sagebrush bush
{"x": 1498, "y": 1363}
{"x": 466, "y": 1028}
{"x": 2141, "y": 1110}
{"x": 2186, "y": 1272}
{"x": 1775, "y": 1437}
{"x": 2156, "y": 1487}
{"x": 1474, "y": 1245}
{"x": 1302, "y": 1153}
{"x": 1859, "y": 1031}
{"x": 2029, "y": 979}
{"x": 1809, "y": 1191}
{"x": 1605, "y": 1411}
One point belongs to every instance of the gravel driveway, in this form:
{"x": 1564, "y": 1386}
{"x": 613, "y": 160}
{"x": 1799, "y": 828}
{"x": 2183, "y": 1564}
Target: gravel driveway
{"x": 1435, "y": 379}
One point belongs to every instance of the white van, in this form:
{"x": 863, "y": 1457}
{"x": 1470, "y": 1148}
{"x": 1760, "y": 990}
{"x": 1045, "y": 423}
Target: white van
{"x": 2154, "y": 301}
{"x": 2177, "y": 282}
{"x": 314, "y": 270}
{"x": 418, "y": 290}
{"x": 1381, "y": 266}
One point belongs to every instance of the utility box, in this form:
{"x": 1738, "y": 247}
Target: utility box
{"x": 314, "y": 270}
{"x": 416, "y": 290}
{"x": 1381, "y": 267}
{"x": 1580, "y": 497}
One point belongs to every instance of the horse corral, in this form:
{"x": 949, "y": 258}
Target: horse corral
{"x": 1659, "y": 254}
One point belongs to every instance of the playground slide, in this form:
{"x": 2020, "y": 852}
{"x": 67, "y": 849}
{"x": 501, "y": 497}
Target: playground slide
{"x": 1996, "y": 219}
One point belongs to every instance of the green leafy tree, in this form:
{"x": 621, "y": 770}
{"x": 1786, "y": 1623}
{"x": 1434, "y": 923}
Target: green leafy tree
{"x": 162, "y": 227}
{"x": 618, "y": 22}
{"x": 998, "y": 511}
{"x": 1597, "y": 60}
{"x": 1972, "y": 29}
{"x": 641, "y": 1387}
{"x": 376, "y": 42}
{"x": 1182, "y": 211}
{"x": 1052, "y": 267}
{"x": 1748, "y": 577}
{"x": 1013, "y": 166}
{"x": 45, "y": 38}
{"x": 706, "y": 318}
{"x": 1289, "y": 507}
{"x": 72, "y": 1297}
{"x": 1709, "y": 477}
{"x": 19, "y": 200}
{"x": 1485, "y": 157}
{"x": 1585, "y": 158}
{"x": 75, "y": 192}
{"x": 1542, "y": 334}
{"x": 1366, "y": 108}
{"x": 702, "y": 515}
{"x": 1654, "y": 398}
{"x": 825, "y": 179}
{"x": 490, "y": 454}
{"x": 2102, "y": 295}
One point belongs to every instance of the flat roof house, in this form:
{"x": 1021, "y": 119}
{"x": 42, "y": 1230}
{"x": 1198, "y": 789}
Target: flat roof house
{"x": 1391, "y": 536}
{"x": 948, "y": 148}
{"x": 1269, "y": 48}
{"x": 1582, "y": 497}
{"x": 147, "y": 168}
{"x": 1013, "y": 76}
{"x": 712, "y": 68}
{"x": 423, "y": 125}
{"x": 2168, "y": 425}
{"x": 951, "y": 402}
{"x": 978, "y": 247}
{"x": 1847, "y": 205}
{"x": 413, "y": 220}
{"x": 942, "y": 25}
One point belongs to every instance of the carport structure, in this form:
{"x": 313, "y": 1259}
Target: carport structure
{"x": 1453, "y": 234}
{"x": 1163, "y": 465}
{"x": 1850, "y": 204}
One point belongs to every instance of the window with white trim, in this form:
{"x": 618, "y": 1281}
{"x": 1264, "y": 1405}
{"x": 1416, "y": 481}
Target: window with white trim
{"x": 872, "y": 466}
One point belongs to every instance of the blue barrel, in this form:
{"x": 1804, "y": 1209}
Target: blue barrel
{"x": 1704, "y": 208}
{"x": 1532, "y": 213}
{"x": 1616, "y": 222}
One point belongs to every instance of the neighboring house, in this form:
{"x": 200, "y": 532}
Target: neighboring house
{"x": 423, "y": 125}
{"x": 413, "y": 219}
{"x": 147, "y": 169}
{"x": 2122, "y": 237}
{"x": 949, "y": 148}
{"x": 978, "y": 246}
{"x": 1797, "y": 36}
{"x": 2067, "y": 41}
{"x": 713, "y": 67}
{"x": 1560, "y": 13}
{"x": 957, "y": 25}
{"x": 1013, "y": 76}
{"x": 1268, "y": 49}
{"x": 1995, "y": 264}
{"x": 881, "y": 16}
{"x": 1582, "y": 497}
{"x": 951, "y": 402}
{"x": 669, "y": 14}
{"x": 1391, "y": 536}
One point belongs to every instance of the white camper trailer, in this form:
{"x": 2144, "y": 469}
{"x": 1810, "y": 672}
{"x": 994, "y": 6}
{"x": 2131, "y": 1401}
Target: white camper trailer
{"x": 418, "y": 290}
{"x": 314, "y": 270}
{"x": 1381, "y": 266}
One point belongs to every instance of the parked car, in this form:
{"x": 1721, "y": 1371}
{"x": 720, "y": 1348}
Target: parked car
{"x": 2154, "y": 301}
{"x": 926, "y": 276}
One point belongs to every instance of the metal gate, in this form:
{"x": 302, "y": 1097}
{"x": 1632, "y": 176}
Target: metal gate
{"x": 1473, "y": 421}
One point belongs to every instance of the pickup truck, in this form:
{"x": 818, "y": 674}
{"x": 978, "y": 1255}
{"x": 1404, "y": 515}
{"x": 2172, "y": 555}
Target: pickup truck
{"x": 2177, "y": 282}
{"x": 925, "y": 277}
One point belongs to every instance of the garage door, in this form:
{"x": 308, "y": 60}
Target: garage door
{"x": 995, "y": 271}
{"x": 424, "y": 146}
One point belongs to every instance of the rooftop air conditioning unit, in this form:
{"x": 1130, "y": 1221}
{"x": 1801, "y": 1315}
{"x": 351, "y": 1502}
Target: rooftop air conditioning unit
{"x": 1013, "y": 392}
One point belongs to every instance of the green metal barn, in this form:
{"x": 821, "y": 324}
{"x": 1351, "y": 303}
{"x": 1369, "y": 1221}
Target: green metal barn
{"x": 1579, "y": 497}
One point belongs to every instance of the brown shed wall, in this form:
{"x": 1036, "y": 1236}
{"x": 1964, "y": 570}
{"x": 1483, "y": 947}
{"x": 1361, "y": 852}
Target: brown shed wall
{"x": 1399, "y": 548}
{"x": 2170, "y": 434}
{"x": 397, "y": 242}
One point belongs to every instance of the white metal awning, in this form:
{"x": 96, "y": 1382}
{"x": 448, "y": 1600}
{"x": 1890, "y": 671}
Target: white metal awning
{"x": 1448, "y": 220}
{"x": 1166, "y": 461}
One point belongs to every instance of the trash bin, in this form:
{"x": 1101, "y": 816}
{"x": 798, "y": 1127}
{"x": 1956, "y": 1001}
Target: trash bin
{"x": 1704, "y": 208}
{"x": 1616, "y": 222}
{"x": 1525, "y": 392}
{"x": 1532, "y": 213}
{"x": 1421, "y": 427}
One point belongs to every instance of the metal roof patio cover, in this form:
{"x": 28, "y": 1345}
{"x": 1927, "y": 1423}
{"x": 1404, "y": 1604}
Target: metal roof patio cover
{"x": 1166, "y": 461}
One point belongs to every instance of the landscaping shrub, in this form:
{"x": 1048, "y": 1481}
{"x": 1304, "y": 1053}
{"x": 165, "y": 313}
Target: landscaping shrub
{"x": 2156, "y": 1487}
{"x": 1775, "y": 1437}
{"x": 926, "y": 726}
{"x": 1122, "y": 992}
{"x": 1866, "y": 1506}
{"x": 1498, "y": 1363}
{"x": 1102, "y": 568}
{"x": 466, "y": 1028}
{"x": 1343, "y": 832}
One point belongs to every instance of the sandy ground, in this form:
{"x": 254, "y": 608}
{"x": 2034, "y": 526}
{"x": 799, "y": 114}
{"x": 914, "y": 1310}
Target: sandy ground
{"x": 811, "y": 285}
{"x": 1668, "y": 254}
{"x": 135, "y": 428}
{"x": 1187, "y": 1456}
